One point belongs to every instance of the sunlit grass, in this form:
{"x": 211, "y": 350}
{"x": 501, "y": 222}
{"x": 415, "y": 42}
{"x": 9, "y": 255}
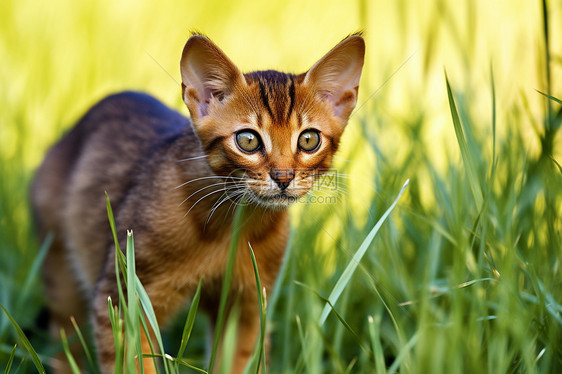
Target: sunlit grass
{"x": 464, "y": 276}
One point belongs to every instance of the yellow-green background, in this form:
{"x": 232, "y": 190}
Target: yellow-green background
{"x": 57, "y": 58}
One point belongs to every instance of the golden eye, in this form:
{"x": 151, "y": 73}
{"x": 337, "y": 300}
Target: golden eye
{"x": 309, "y": 140}
{"x": 248, "y": 141}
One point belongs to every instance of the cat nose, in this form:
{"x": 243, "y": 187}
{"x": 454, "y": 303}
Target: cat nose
{"x": 283, "y": 177}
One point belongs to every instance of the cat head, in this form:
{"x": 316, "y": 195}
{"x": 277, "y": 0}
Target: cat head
{"x": 274, "y": 132}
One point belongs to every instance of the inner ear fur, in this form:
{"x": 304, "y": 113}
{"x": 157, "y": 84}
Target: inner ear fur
{"x": 207, "y": 74}
{"x": 336, "y": 75}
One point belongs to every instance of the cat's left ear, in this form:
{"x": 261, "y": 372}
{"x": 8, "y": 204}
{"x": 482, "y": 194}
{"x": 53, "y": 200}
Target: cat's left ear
{"x": 207, "y": 74}
{"x": 336, "y": 75}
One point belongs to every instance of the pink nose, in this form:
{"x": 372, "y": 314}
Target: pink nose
{"x": 282, "y": 177}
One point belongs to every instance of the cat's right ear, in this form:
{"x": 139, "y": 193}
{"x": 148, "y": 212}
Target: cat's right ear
{"x": 207, "y": 74}
{"x": 336, "y": 75}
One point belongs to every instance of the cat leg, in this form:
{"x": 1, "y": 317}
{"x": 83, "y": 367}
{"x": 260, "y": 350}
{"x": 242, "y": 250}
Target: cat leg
{"x": 64, "y": 300}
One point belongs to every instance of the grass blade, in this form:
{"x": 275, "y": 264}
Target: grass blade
{"x": 117, "y": 328}
{"x": 25, "y": 342}
{"x": 10, "y": 360}
{"x": 550, "y": 97}
{"x": 136, "y": 285}
{"x": 236, "y": 227}
{"x": 403, "y": 353}
{"x": 338, "y": 316}
{"x": 34, "y": 270}
{"x": 374, "y": 332}
{"x": 260, "y": 353}
{"x": 463, "y": 145}
{"x": 73, "y": 365}
{"x": 151, "y": 316}
{"x": 89, "y": 356}
{"x": 350, "y": 269}
{"x": 188, "y": 365}
{"x": 304, "y": 344}
{"x": 132, "y": 326}
{"x": 190, "y": 320}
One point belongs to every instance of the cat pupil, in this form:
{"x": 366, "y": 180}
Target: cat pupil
{"x": 309, "y": 140}
{"x": 248, "y": 141}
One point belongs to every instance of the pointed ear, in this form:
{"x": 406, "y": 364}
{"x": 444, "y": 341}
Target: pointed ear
{"x": 336, "y": 75}
{"x": 207, "y": 74}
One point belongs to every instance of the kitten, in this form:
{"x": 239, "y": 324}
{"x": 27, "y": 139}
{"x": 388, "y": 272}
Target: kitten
{"x": 263, "y": 136}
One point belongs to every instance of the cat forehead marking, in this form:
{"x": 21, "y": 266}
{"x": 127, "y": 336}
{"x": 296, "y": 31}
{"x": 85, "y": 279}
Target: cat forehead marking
{"x": 276, "y": 94}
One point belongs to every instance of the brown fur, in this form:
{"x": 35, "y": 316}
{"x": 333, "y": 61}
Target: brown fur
{"x": 149, "y": 160}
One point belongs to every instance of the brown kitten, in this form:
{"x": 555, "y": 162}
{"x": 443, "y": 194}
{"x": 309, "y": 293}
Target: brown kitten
{"x": 264, "y": 136}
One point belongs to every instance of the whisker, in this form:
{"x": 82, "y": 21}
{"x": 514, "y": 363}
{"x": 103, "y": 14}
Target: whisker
{"x": 329, "y": 189}
{"x": 235, "y": 202}
{"x": 309, "y": 94}
{"x": 206, "y": 187}
{"x": 341, "y": 158}
{"x": 192, "y": 158}
{"x": 250, "y": 101}
{"x": 209, "y": 177}
{"x": 197, "y": 202}
{"x": 312, "y": 106}
{"x": 221, "y": 201}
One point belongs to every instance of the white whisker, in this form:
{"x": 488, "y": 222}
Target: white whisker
{"x": 206, "y": 187}
{"x": 192, "y": 158}
{"x": 209, "y": 194}
{"x": 221, "y": 200}
{"x": 235, "y": 201}
{"x": 210, "y": 177}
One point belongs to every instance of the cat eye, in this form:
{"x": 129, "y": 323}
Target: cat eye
{"x": 248, "y": 141}
{"x": 309, "y": 140}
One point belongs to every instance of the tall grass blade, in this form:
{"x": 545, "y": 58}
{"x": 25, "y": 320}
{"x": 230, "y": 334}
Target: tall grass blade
{"x": 550, "y": 97}
{"x": 463, "y": 145}
{"x": 403, "y": 353}
{"x": 115, "y": 313}
{"x": 304, "y": 345}
{"x": 378, "y": 353}
{"x": 71, "y": 361}
{"x": 34, "y": 270}
{"x": 10, "y": 360}
{"x": 494, "y": 119}
{"x": 547, "y": 57}
{"x": 139, "y": 289}
{"x": 190, "y": 320}
{"x": 350, "y": 269}
{"x": 25, "y": 342}
{"x": 151, "y": 316}
{"x": 87, "y": 351}
{"x": 236, "y": 227}
{"x": 117, "y": 328}
{"x": 112, "y": 222}
{"x": 132, "y": 324}
{"x": 188, "y": 365}
{"x": 259, "y": 354}
{"x": 338, "y": 316}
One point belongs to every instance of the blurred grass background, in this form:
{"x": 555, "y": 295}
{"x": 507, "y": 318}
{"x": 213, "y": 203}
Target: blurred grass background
{"x": 464, "y": 277}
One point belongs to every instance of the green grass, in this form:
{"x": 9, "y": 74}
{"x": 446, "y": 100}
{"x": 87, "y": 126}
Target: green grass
{"x": 464, "y": 274}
